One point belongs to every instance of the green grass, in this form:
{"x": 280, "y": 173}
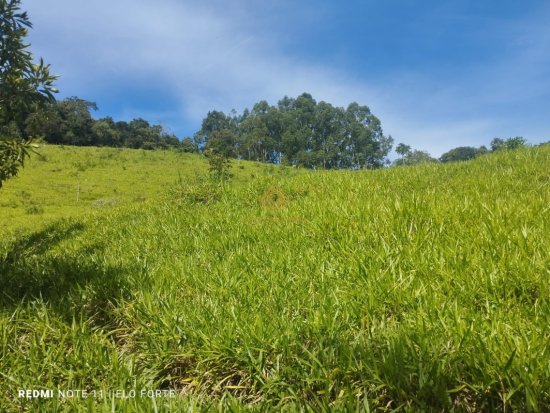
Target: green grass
{"x": 74, "y": 181}
{"x": 410, "y": 289}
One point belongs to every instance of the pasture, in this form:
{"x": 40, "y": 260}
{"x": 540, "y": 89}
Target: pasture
{"x": 421, "y": 288}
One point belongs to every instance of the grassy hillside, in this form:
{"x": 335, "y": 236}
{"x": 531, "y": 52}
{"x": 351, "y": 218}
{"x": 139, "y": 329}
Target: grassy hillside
{"x": 64, "y": 181}
{"x": 419, "y": 288}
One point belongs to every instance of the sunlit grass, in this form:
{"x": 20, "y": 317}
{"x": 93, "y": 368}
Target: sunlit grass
{"x": 63, "y": 181}
{"x": 419, "y": 288}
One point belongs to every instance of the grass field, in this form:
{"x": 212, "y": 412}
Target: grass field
{"x": 420, "y": 288}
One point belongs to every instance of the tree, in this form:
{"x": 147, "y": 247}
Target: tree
{"x": 416, "y": 157}
{"x": 213, "y": 122}
{"x": 12, "y": 156}
{"x": 67, "y": 122}
{"x": 259, "y": 133}
{"x": 187, "y": 145}
{"x": 402, "y": 149}
{"x": 105, "y": 132}
{"x": 24, "y": 87}
{"x": 410, "y": 156}
{"x": 515, "y": 143}
{"x": 45, "y": 122}
{"x": 219, "y": 165}
{"x": 365, "y": 142}
{"x": 222, "y": 142}
{"x": 498, "y": 144}
{"x": 254, "y": 137}
{"x": 462, "y": 153}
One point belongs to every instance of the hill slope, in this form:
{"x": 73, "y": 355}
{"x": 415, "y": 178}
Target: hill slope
{"x": 65, "y": 181}
{"x": 420, "y": 288}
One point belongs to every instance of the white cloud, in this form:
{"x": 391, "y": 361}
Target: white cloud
{"x": 209, "y": 58}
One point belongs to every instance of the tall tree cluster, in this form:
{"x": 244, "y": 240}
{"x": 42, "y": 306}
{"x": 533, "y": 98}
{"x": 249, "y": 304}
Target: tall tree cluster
{"x": 298, "y": 131}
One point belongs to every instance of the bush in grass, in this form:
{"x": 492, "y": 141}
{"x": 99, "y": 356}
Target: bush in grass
{"x": 219, "y": 166}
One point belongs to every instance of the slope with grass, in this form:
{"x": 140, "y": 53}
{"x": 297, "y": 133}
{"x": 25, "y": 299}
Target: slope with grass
{"x": 64, "y": 181}
{"x": 417, "y": 288}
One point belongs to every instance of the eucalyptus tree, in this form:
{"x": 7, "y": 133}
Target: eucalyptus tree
{"x": 301, "y": 131}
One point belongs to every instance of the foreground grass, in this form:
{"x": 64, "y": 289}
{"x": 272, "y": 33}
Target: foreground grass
{"x": 423, "y": 288}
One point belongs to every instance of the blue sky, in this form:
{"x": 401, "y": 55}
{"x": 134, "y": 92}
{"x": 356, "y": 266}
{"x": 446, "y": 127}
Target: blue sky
{"x": 438, "y": 74}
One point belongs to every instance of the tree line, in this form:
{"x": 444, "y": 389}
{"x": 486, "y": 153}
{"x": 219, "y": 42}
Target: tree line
{"x": 297, "y": 131}
{"x": 410, "y": 156}
{"x": 70, "y": 122}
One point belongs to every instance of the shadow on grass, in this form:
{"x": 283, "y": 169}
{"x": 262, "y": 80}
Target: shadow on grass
{"x": 69, "y": 280}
